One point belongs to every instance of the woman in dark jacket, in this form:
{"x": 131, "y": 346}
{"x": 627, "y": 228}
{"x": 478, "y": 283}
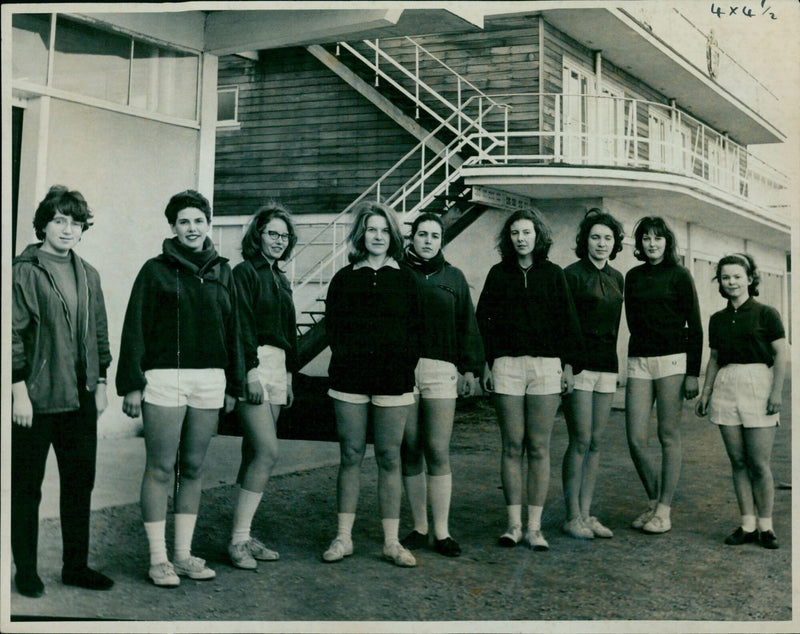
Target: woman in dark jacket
{"x": 450, "y": 347}
{"x": 180, "y": 363}
{"x": 269, "y": 344}
{"x": 664, "y": 354}
{"x": 373, "y": 323}
{"x": 533, "y": 345}
{"x": 597, "y": 290}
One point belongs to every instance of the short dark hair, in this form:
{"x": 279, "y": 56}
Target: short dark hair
{"x": 61, "y": 200}
{"x": 364, "y": 211}
{"x": 251, "y": 241}
{"x": 185, "y": 200}
{"x": 427, "y": 216}
{"x": 748, "y": 264}
{"x": 594, "y": 217}
{"x": 659, "y": 227}
{"x": 544, "y": 237}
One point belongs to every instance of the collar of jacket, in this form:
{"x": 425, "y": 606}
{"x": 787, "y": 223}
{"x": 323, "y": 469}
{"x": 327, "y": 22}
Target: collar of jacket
{"x": 208, "y": 269}
{"x": 589, "y": 266}
{"x": 260, "y": 262}
{"x": 390, "y": 262}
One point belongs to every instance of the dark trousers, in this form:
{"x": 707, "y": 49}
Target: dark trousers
{"x": 74, "y": 439}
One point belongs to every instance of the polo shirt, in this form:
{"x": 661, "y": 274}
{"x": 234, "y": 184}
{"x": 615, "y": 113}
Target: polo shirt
{"x": 745, "y": 334}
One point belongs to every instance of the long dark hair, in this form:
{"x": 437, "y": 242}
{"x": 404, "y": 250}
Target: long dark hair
{"x": 748, "y": 264}
{"x": 659, "y": 228}
{"x": 251, "y": 241}
{"x": 364, "y": 211}
{"x": 594, "y": 217}
{"x": 542, "y": 244}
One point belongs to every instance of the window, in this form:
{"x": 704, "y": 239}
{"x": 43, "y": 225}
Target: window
{"x": 164, "y": 80}
{"x": 228, "y": 105}
{"x": 31, "y": 42}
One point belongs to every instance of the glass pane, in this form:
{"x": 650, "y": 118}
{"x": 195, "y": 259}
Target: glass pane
{"x": 226, "y": 105}
{"x": 91, "y": 62}
{"x": 30, "y": 39}
{"x": 164, "y": 81}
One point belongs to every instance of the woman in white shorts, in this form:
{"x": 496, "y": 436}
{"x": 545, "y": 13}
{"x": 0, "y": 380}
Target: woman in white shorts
{"x": 597, "y": 290}
{"x": 269, "y": 341}
{"x": 372, "y": 319}
{"x": 452, "y": 356}
{"x": 742, "y": 393}
{"x": 533, "y": 342}
{"x": 179, "y": 365}
{"x": 664, "y": 353}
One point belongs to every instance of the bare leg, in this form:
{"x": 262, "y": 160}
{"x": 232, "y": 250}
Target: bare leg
{"x": 351, "y": 425}
{"x": 511, "y": 417}
{"x": 669, "y": 404}
{"x": 639, "y": 394}
{"x": 540, "y": 412}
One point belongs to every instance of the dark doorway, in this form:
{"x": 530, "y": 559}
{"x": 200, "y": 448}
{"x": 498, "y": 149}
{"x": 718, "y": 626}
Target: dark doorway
{"x": 16, "y": 151}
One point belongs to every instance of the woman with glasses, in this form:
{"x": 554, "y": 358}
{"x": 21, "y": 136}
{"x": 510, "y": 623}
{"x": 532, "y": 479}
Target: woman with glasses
{"x": 179, "y": 365}
{"x": 269, "y": 342}
{"x": 373, "y": 319}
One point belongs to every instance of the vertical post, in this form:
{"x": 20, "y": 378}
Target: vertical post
{"x": 376, "y": 61}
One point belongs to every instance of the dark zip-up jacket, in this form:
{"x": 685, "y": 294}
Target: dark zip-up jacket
{"x": 373, "y": 320}
{"x": 663, "y": 313}
{"x": 266, "y": 311}
{"x": 181, "y": 315}
{"x": 598, "y": 295}
{"x": 42, "y": 333}
{"x": 449, "y": 328}
{"x": 529, "y": 313}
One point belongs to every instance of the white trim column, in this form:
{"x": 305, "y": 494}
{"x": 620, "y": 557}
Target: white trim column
{"x": 206, "y": 148}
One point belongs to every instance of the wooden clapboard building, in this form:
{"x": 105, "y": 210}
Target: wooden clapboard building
{"x": 560, "y": 109}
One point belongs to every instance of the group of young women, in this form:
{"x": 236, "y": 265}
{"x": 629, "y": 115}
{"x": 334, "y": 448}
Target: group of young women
{"x": 406, "y": 342}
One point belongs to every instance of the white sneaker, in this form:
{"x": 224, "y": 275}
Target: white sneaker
{"x": 194, "y": 568}
{"x": 577, "y": 529}
{"x": 643, "y": 518}
{"x": 241, "y": 556}
{"x": 511, "y": 537}
{"x": 536, "y": 540}
{"x": 398, "y": 555}
{"x": 594, "y": 525}
{"x": 657, "y": 524}
{"x": 261, "y": 552}
{"x": 163, "y": 575}
{"x": 339, "y": 549}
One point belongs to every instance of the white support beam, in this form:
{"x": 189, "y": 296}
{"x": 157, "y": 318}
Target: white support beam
{"x": 235, "y": 31}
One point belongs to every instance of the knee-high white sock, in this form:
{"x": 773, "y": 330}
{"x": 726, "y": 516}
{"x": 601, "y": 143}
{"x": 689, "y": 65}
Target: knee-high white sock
{"x": 514, "y": 515}
{"x": 440, "y": 490}
{"x": 390, "y": 528}
{"x": 534, "y": 517}
{"x": 184, "y": 531}
{"x": 246, "y": 506}
{"x": 345, "y": 523}
{"x": 156, "y": 541}
{"x": 417, "y": 493}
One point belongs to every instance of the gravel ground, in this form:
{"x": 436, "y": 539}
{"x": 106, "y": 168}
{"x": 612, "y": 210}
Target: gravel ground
{"x": 685, "y": 575}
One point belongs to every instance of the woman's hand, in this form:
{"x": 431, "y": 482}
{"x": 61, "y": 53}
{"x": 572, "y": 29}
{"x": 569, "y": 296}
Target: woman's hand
{"x": 230, "y": 403}
{"x": 690, "y": 387}
{"x": 487, "y": 380}
{"x": 774, "y": 402}
{"x": 21, "y": 406}
{"x": 467, "y": 385}
{"x": 100, "y": 398}
{"x": 567, "y": 380}
{"x": 289, "y": 395}
{"x": 255, "y": 392}
{"x": 701, "y": 408}
{"x": 132, "y": 403}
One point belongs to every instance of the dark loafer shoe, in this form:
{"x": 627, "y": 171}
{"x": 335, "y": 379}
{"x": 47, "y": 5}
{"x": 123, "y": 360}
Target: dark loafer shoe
{"x": 29, "y": 584}
{"x": 740, "y": 536}
{"x": 767, "y": 539}
{"x": 86, "y": 578}
{"x": 415, "y": 540}
{"x": 448, "y": 547}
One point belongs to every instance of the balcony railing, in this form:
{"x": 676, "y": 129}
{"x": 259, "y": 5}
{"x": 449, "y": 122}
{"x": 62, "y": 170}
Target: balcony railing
{"x": 603, "y": 131}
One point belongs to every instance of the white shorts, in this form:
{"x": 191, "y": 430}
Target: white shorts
{"x": 656, "y": 367}
{"x": 271, "y": 373}
{"x": 591, "y": 381}
{"x": 436, "y": 379}
{"x": 199, "y": 388}
{"x": 518, "y": 376}
{"x": 741, "y": 392}
{"x": 379, "y": 400}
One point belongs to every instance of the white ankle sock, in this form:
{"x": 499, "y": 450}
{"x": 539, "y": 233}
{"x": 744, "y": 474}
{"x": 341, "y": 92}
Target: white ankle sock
{"x": 534, "y": 517}
{"x": 246, "y": 506}
{"x": 764, "y": 524}
{"x": 417, "y": 493}
{"x": 390, "y": 530}
{"x": 156, "y": 541}
{"x": 514, "y": 515}
{"x": 184, "y": 530}
{"x": 662, "y": 510}
{"x": 345, "y": 525}
{"x": 440, "y": 490}
{"x": 748, "y": 523}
